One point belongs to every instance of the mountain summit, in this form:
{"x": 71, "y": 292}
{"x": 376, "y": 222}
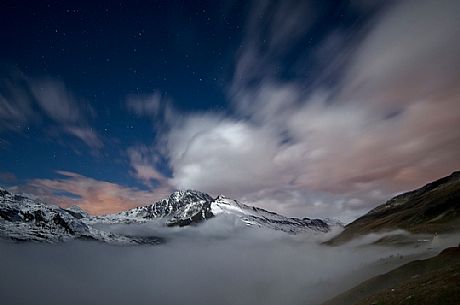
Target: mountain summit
{"x": 188, "y": 207}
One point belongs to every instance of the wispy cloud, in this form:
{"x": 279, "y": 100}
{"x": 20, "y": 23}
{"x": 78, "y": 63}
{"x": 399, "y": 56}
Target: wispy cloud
{"x": 95, "y": 196}
{"x": 25, "y": 101}
{"x": 271, "y": 30}
{"x": 16, "y": 107}
{"x": 156, "y": 106}
{"x": 7, "y": 177}
{"x": 145, "y": 105}
{"x": 144, "y": 162}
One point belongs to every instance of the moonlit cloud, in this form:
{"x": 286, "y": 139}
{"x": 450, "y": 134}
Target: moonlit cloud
{"x": 7, "y": 177}
{"x": 156, "y": 106}
{"x": 144, "y": 162}
{"x": 15, "y": 106}
{"x": 222, "y": 155}
{"x": 25, "y": 101}
{"x": 145, "y": 105}
{"x": 95, "y": 196}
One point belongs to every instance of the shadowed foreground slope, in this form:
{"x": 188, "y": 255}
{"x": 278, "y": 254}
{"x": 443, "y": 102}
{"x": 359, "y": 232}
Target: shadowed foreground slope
{"x": 434, "y": 208}
{"x": 421, "y": 282}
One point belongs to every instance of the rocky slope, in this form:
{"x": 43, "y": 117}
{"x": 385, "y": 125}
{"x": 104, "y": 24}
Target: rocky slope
{"x": 188, "y": 207}
{"x": 434, "y": 208}
{"x": 421, "y": 282}
{"x": 23, "y": 218}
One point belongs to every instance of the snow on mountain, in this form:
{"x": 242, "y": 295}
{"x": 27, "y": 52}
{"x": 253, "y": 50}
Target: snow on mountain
{"x": 183, "y": 208}
{"x": 24, "y": 218}
{"x": 254, "y": 216}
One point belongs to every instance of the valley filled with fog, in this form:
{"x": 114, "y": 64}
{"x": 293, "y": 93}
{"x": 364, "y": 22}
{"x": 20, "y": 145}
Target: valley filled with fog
{"x": 218, "y": 262}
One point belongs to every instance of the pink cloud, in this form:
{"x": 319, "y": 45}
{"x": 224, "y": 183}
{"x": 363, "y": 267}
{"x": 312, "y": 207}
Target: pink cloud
{"x": 95, "y": 196}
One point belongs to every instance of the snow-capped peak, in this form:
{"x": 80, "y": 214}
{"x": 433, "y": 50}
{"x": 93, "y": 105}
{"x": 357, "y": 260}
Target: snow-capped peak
{"x": 187, "y": 207}
{"x": 26, "y": 218}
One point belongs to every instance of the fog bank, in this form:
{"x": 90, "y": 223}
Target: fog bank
{"x": 240, "y": 266}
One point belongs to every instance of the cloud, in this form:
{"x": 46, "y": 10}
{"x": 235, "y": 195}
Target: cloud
{"x": 15, "y": 106}
{"x": 56, "y": 101}
{"x": 144, "y": 162}
{"x": 25, "y": 101}
{"x": 7, "y": 177}
{"x": 87, "y": 135}
{"x": 395, "y": 56}
{"x": 271, "y": 30}
{"x": 95, "y": 196}
{"x": 221, "y": 155}
{"x": 156, "y": 106}
{"x": 391, "y": 121}
{"x": 145, "y": 105}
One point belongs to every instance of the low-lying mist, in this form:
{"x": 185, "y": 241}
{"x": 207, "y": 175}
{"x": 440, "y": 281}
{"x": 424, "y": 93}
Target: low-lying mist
{"x": 213, "y": 263}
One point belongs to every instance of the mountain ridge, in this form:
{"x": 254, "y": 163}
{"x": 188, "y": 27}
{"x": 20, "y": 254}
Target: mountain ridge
{"x": 187, "y": 207}
{"x": 420, "y": 282}
{"x": 25, "y": 218}
{"x": 430, "y": 209}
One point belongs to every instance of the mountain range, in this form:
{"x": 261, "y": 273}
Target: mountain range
{"x": 183, "y": 208}
{"x": 433, "y": 208}
{"x": 24, "y": 218}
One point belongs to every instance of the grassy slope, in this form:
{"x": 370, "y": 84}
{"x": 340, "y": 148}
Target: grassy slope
{"x": 422, "y": 282}
{"x": 434, "y": 208}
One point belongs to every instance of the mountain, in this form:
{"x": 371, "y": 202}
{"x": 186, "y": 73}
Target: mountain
{"x": 434, "y": 208}
{"x": 181, "y": 208}
{"x": 189, "y": 207}
{"x": 421, "y": 282}
{"x": 23, "y": 218}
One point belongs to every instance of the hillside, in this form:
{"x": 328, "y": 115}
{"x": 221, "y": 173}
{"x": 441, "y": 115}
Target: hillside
{"x": 421, "y": 282}
{"x": 434, "y": 208}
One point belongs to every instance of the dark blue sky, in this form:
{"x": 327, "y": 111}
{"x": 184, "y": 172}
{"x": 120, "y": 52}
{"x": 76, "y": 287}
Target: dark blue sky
{"x": 76, "y": 79}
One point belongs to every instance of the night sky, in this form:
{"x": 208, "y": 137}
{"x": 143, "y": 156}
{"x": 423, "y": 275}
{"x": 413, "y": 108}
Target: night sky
{"x": 307, "y": 108}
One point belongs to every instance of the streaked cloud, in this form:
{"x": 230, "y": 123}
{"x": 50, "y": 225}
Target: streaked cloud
{"x": 95, "y": 196}
{"x": 144, "y": 162}
{"x": 145, "y": 105}
{"x": 26, "y": 101}
{"x": 7, "y": 177}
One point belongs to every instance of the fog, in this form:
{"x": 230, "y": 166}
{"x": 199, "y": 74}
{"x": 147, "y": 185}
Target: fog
{"x": 207, "y": 264}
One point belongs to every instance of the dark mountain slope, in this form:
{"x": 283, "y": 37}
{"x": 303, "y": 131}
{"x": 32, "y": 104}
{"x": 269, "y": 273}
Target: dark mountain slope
{"x": 421, "y": 282}
{"x": 434, "y": 208}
